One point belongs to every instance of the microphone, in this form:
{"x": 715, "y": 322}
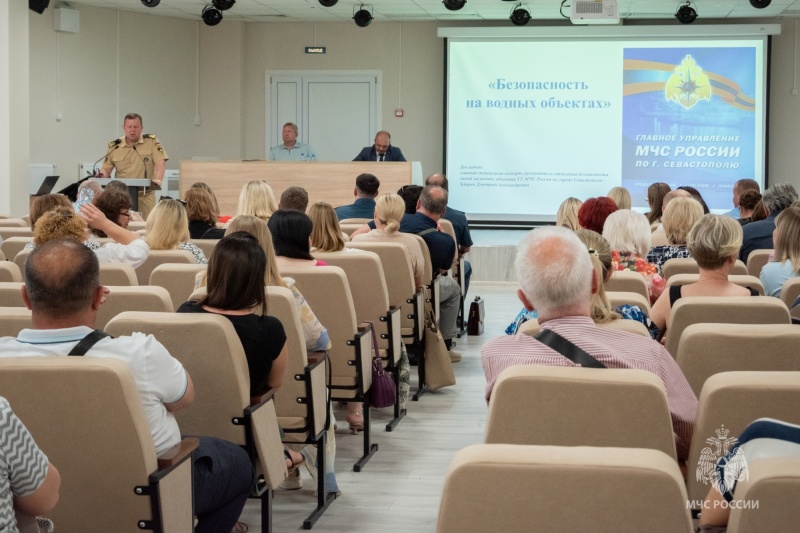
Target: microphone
{"x": 143, "y": 163}
{"x": 114, "y": 145}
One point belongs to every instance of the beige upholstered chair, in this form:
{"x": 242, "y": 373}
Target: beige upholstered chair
{"x": 617, "y": 298}
{"x": 13, "y": 320}
{"x": 359, "y": 221}
{"x": 531, "y": 327}
{"x": 773, "y": 483}
{"x": 756, "y": 261}
{"x": 519, "y": 489}
{"x": 568, "y": 406}
{"x": 133, "y": 298}
{"x": 722, "y": 310}
{"x": 708, "y": 349}
{"x": 13, "y": 223}
{"x": 790, "y": 291}
{"x": 328, "y": 293}
{"x": 105, "y": 452}
{"x": 728, "y": 403}
{"x": 159, "y": 257}
{"x": 177, "y": 278}
{"x": 207, "y": 245}
{"x": 628, "y": 281}
{"x": 11, "y": 294}
{"x": 20, "y": 259}
{"x": 6, "y": 232}
{"x": 10, "y": 271}
{"x": 348, "y": 228}
{"x": 2, "y": 256}
{"x": 208, "y": 347}
{"x": 136, "y": 225}
{"x": 14, "y": 245}
{"x": 742, "y": 280}
{"x": 117, "y": 274}
{"x": 689, "y": 266}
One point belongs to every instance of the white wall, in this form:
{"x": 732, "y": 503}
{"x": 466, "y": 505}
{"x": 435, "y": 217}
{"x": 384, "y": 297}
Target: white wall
{"x": 158, "y": 71}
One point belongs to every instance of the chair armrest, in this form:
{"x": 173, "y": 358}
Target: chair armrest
{"x": 393, "y": 320}
{"x": 362, "y": 343}
{"x": 258, "y": 401}
{"x": 315, "y": 358}
{"x": 176, "y": 455}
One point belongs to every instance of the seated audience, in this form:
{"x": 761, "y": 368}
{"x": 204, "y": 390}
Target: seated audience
{"x": 739, "y": 188}
{"x": 696, "y": 195}
{"x": 389, "y": 210}
{"x": 557, "y": 279}
{"x": 621, "y": 197}
{"x": 202, "y": 215}
{"x": 655, "y": 199}
{"x": 257, "y": 199}
{"x": 460, "y": 227}
{"x": 658, "y": 236}
{"x": 205, "y": 187}
{"x": 747, "y": 206}
{"x": 115, "y": 206}
{"x": 786, "y": 261}
{"x": 679, "y": 217}
{"x": 594, "y": 212}
{"x": 714, "y": 243}
{"x": 168, "y": 229}
{"x": 758, "y": 235}
{"x": 628, "y": 234}
{"x": 291, "y": 236}
{"x": 63, "y": 292}
{"x": 326, "y": 235}
{"x": 567, "y": 214}
{"x": 29, "y": 483}
{"x": 87, "y": 190}
{"x": 295, "y": 198}
{"x": 762, "y": 439}
{"x": 116, "y": 185}
{"x": 366, "y": 190}
{"x": 410, "y": 195}
{"x": 47, "y": 202}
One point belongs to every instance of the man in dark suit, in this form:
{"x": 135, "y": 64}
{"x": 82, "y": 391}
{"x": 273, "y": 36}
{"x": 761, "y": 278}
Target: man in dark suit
{"x": 382, "y": 150}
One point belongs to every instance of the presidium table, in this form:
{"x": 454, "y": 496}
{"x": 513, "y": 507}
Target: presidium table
{"x": 325, "y": 182}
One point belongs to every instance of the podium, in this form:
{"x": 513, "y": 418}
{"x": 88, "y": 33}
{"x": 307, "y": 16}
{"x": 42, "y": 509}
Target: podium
{"x": 134, "y": 184}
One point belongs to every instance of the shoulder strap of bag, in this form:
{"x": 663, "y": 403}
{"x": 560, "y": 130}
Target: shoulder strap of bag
{"x": 426, "y": 231}
{"x": 88, "y": 341}
{"x": 567, "y": 349}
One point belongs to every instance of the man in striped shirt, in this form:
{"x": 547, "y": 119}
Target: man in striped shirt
{"x": 556, "y": 276}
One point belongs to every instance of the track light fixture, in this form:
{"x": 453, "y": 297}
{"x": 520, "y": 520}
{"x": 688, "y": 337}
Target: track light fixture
{"x": 362, "y": 17}
{"x": 520, "y": 16}
{"x": 211, "y": 16}
{"x": 760, "y": 4}
{"x": 686, "y": 14}
{"x": 328, "y": 3}
{"x": 223, "y": 5}
{"x": 151, "y": 3}
{"x": 454, "y": 5}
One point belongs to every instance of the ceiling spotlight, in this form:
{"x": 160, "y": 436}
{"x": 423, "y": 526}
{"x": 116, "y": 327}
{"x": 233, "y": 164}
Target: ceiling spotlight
{"x": 520, "y": 16}
{"x": 759, "y": 4}
{"x": 328, "y": 3}
{"x": 686, "y": 14}
{"x": 362, "y": 17}
{"x": 211, "y": 16}
{"x": 151, "y": 3}
{"x": 454, "y": 5}
{"x": 223, "y": 5}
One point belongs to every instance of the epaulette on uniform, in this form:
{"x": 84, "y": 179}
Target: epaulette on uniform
{"x": 114, "y": 143}
{"x": 149, "y": 136}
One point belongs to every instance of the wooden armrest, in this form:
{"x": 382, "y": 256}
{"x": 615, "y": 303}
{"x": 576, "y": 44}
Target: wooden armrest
{"x": 262, "y": 399}
{"x": 177, "y": 453}
{"x": 315, "y": 358}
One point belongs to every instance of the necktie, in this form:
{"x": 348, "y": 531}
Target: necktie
{"x": 380, "y": 157}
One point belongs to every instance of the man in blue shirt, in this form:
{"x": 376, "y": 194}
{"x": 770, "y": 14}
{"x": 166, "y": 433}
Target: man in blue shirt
{"x": 758, "y": 235}
{"x": 365, "y": 192}
{"x": 738, "y": 189}
{"x": 290, "y": 149}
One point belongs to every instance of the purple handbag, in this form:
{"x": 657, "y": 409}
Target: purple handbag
{"x": 383, "y": 391}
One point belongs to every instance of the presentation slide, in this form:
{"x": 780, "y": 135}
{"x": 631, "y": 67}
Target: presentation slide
{"x": 530, "y": 123}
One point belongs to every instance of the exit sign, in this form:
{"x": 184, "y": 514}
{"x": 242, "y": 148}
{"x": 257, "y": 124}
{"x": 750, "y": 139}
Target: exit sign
{"x": 316, "y": 49}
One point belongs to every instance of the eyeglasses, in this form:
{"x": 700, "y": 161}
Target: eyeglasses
{"x": 168, "y": 198}
{"x": 128, "y": 214}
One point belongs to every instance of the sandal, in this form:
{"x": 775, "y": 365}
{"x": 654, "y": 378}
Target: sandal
{"x": 240, "y": 527}
{"x": 295, "y": 465}
{"x": 356, "y": 421}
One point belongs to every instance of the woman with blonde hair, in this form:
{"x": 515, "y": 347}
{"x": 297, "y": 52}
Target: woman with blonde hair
{"x": 621, "y": 197}
{"x": 389, "y": 210}
{"x": 168, "y": 229}
{"x": 785, "y": 263}
{"x": 257, "y": 199}
{"x": 326, "y": 234}
{"x": 567, "y": 215}
{"x": 713, "y": 242}
{"x": 679, "y": 217}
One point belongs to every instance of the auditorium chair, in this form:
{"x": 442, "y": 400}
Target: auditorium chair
{"x": 13, "y": 320}
{"x": 209, "y": 348}
{"x": 178, "y": 279}
{"x": 743, "y": 280}
{"x": 11, "y": 294}
{"x": 774, "y": 484}
{"x": 10, "y": 271}
{"x": 136, "y": 225}
{"x": 348, "y": 229}
{"x": 728, "y": 403}
{"x": 531, "y": 327}
{"x": 86, "y": 415}
{"x": 708, "y": 349}
{"x": 618, "y": 298}
{"x": 756, "y": 261}
{"x": 207, "y": 245}
{"x": 328, "y": 294}
{"x": 13, "y": 223}
{"x": 722, "y": 310}
{"x": 20, "y": 259}
{"x": 457, "y": 271}
{"x": 687, "y": 265}
{"x": 519, "y": 489}
{"x": 133, "y": 298}
{"x": 6, "y": 232}
{"x": 571, "y": 406}
{"x": 158, "y": 257}
{"x": 627, "y": 281}
{"x": 119, "y": 274}
{"x": 359, "y": 221}
{"x": 790, "y": 291}
{"x": 14, "y": 245}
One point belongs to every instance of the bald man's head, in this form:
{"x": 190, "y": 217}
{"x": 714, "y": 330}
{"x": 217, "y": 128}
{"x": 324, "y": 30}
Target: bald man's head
{"x": 61, "y": 278}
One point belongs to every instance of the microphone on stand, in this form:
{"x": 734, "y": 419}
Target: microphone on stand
{"x": 114, "y": 146}
{"x": 143, "y": 163}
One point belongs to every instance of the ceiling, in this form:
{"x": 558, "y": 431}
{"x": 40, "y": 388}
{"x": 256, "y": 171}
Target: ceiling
{"x": 433, "y": 10}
